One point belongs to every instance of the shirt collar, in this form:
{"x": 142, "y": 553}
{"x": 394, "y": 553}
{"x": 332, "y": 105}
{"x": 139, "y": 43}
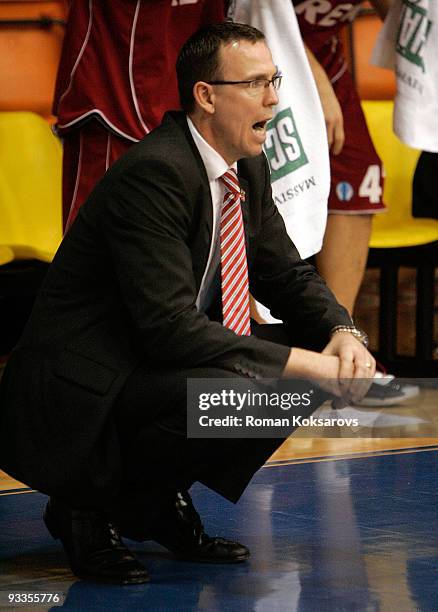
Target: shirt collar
{"x": 215, "y": 165}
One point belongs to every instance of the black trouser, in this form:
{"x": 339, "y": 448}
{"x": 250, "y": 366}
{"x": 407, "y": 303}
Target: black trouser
{"x": 157, "y": 457}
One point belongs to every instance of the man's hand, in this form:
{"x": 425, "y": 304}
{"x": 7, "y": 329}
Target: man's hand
{"x": 344, "y": 368}
{"x": 356, "y": 365}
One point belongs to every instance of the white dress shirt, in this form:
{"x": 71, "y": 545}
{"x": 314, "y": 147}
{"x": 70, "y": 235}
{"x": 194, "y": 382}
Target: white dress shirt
{"x": 215, "y": 166}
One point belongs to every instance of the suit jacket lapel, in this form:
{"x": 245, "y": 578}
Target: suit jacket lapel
{"x": 208, "y": 204}
{"x": 202, "y": 246}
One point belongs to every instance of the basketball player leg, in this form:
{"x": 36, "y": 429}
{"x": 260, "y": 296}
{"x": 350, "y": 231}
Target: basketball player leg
{"x": 343, "y": 257}
{"x": 355, "y": 195}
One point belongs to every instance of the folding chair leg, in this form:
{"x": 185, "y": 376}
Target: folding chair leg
{"x": 425, "y": 312}
{"x": 388, "y": 311}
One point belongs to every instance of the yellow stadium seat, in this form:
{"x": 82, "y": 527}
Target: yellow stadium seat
{"x": 398, "y": 239}
{"x": 30, "y": 188}
{"x": 397, "y": 227}
{"x": 6, "y": 255}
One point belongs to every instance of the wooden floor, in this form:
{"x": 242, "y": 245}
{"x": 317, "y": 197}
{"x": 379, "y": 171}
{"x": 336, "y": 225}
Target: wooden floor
{"x": 410, "y": 425}
{"x": 318, "y": 449}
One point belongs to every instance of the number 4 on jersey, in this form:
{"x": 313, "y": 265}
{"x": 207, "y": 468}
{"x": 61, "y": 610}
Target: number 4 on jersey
{"x": 370, "y": 186}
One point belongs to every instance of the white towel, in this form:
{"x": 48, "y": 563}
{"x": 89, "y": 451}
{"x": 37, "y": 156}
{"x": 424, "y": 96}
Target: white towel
{"x": 296, "y": 144}
{"x": 408, "y": 44}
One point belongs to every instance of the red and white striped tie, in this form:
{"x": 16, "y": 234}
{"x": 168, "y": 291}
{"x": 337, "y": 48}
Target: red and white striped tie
{"x": 234, "y": 268}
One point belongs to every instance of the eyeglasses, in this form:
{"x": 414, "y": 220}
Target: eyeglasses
{"x": 256, "y": 85}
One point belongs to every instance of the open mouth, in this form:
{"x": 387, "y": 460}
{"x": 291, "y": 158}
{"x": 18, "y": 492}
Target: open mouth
{"x": 260, "y": 126}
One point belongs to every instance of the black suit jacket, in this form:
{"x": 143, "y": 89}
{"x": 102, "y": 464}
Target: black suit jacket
{"x": 122, "y": 290}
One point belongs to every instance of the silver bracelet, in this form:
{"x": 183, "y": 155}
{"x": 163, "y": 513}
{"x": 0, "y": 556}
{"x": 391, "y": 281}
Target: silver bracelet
{"x": 354, "y": 331}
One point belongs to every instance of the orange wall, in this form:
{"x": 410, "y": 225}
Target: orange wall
{"x": 29, "y": 56}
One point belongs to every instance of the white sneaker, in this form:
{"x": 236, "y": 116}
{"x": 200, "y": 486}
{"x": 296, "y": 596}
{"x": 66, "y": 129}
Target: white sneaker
{"x": 386, "y": 390}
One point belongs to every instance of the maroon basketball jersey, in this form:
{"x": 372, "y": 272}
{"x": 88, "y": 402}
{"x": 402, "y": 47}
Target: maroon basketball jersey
{"x": 118, "y": 60}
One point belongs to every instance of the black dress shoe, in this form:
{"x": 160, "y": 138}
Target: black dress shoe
{"x": 93, "y": 546}
{"x": 181, "y": 531}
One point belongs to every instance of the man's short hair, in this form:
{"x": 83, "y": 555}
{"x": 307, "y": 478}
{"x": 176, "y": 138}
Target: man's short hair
{"x": 198, "y": 59}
